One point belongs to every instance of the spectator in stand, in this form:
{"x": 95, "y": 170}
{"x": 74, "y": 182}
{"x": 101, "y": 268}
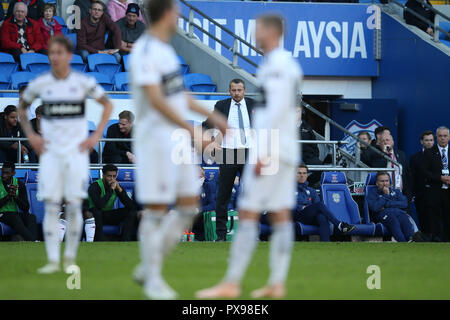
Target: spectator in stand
{"x": 10, "y": 128}
{"x": 130, "y": 28}
{"x": 13, "y": 196}
{"x": 232, "y": 205}
{"x": 364, "y": 136}
{"x": 388, "y": 206}
{"x": 48, "y": 24}
{"x": 118, "y": 9}
{"x": 36, "y": 122}
{"x": 418, "y": 180}
{"x": 102, "y": 197}
{"x": 208, "y": 202}
{"x": 367, "y": 156}
{"x": 310, "y": 210}
{"x": 35, "y": 8}
{"x": 120, "y": 152}
{"x": 419, "y": 7}
{"x": 20, "y": 34}
{"x": 435, "y": 168}
{"x": 84, "y": 6}
{"x": 91, "y": 36}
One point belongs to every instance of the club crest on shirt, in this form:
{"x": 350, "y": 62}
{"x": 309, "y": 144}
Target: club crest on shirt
{"x": 336, "y": 197}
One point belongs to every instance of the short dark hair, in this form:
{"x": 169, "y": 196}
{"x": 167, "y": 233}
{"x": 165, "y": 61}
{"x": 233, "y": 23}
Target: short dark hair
{"x": 156, "y": 9}
{"x": 10, "y": 108}
{"x": 22, "y": 88}
{"x": 426, "y": 133}
{"x": 381, "y": 173}
{"x": 127, "y": 115}
{"x": 362, "y": 133}
{"x": 61, "y": 40}
{"x": 273, "y": 20}
{"x": 109, "y": 167}
{"x": 380, "y": 129}
{"x": 38, "y": 110}
{"x": 9, "y": 165}
{"x": 303, "y": 165}
{"x": 237, "y": 81}
{"x": 50, "y": 5}
{"x": 97, "y": 2}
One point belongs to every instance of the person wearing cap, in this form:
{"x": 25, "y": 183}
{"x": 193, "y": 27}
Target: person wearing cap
{"x": 117, "y": 9}
{"x": 130, "y": 27}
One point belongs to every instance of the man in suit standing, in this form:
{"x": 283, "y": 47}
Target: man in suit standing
{"x": 437, "y": 191}
{"x": 418, "y": 180}
{"x": 233, "y": 152}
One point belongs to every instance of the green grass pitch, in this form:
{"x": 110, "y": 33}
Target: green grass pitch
{"x": 318, "y": 270}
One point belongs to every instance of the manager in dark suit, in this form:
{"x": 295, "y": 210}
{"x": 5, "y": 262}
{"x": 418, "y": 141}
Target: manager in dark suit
{"x": 234, "y": 148}
{"x": 437, "y": 190}
{"x": 418, "y": 180}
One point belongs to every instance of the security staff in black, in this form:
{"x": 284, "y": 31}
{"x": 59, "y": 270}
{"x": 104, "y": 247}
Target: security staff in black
{"x": 102, "y": 196}
{"x": 13, "y": 196}
{"x": 232, "y": 155}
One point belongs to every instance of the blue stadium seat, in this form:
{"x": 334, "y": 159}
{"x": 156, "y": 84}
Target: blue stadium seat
{"x": 121, "y": 81}
{"x": 73, "y": 38}
{"x": 6, "y": 230}
{"x": 91, "y": 126}
{"x": 5, "y": 83}
{"x": 7, "y": 64}
{"x": 34, "y": 62}
{"x": 95, "y": 174}
{"x": 103, "y": 79}
{"x": 21, "y": 174}
{"x": 50, "y": 1}
{"x": 336, "y": 196}
{"x": 125, "y": 177}
{"x": 126, "y": 59}
{"x": 63, "y": 23}
{"x": 77, "y": 63}
{"x": 199, "y": 82}
{"x": 184, "y": 67}
{"x": 103, "y": 63}
{"x": 36, "y": 207}
{"x": 19, "y": 79}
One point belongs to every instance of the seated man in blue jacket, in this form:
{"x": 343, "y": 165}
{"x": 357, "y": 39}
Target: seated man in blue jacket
{"x": 310, "y": 210}
{"x": 388, "y": 206}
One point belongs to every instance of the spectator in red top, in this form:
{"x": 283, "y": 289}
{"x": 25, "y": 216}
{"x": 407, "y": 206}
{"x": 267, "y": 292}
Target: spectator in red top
{"x": 20, "y": 34}
{"x": 91, "y": 36}
{"x": 48, "y": 24}
{"x": 35, "y": 8}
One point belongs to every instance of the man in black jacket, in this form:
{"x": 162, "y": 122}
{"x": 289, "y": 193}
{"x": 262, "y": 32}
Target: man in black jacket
{"x": 419, "y": 7}
{"x": 102, "y": 196}
{"x": 418, "y": 180}
{"x": 435, "y": 168}
{"x": 120, "y": 151}
{"x": 233, "y": 152}
{"x": 13, "y": 196}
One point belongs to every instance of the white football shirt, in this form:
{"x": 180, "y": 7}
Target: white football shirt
{"x": 279, "y": 78}
{"x": 63, "y": 123}
{"x": 154, "y": 62}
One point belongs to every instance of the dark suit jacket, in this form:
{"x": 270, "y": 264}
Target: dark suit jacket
{"x": 422, "y": 11}
{"x": 223, "y": 106}
{"x": 432, "y": 167}
{"x": 418, "y": 179}
{"x": 310, "y": 152}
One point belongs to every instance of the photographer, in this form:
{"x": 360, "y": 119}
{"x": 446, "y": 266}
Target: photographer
{"x": 102, "y": 197}
{"x": 13, "y": 196}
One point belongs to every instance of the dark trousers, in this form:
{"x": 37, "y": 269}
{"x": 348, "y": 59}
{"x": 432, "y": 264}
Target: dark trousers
{"x": 398, "y": 223}
{"x": 115, "y": 217}
{"x": 437, "y": 206}
{"x": 115, "y": 158}
{"x": 23, "y": 223}
{"x": 424, "y": 220}
{"x": 232, "y": 164}
{"x": 317, "y": 214}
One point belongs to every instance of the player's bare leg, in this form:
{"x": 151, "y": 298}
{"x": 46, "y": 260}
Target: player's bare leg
{"x": 242, "y": 250}
{"x": 281, "y": 243}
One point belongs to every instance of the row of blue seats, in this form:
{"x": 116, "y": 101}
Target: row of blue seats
{"x": 30, "y": 178}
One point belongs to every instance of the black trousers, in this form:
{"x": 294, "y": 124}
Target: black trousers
{"x": 422, "y": 213}
{"x": 115, "y": 217}
{"x": 232, "y": 164}
{"x": 438, "y": 210}
{"x": 23, "y": 223}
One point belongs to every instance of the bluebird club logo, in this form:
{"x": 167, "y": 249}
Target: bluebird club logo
{"x": 355, "y": 127}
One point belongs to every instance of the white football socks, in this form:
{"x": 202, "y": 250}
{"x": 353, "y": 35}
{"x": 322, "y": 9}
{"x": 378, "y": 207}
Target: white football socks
{"x": 242, "y": 247}
{"x": 62, "y": 229}
{"x": 89, "y": 229}
{"x": 173, "y": 225}
{"x": 74, "y": 228}
{"x": 281, "y": 243}
{"x": 50, "y": 226}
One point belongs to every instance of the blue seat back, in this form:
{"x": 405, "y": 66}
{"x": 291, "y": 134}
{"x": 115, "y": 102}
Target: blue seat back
{"x": 63, "y": 24}
{"x": 196, "y": 81}
{"x": 7, "y": 64}
{"x": 446, "y": 26}
{"x": 34, "y": 62}
{"x": 104, "y": 63}
{"x": 5, "y": 83}
{"x": 121, "y": 81}
{"x": 125, "y": 175}
{"x": 110, "y": 122}
{"x": 36, "y": 207}
{"x": 77, "y": 63}
{"x": 126, "y": 62}
{"x": 184, "y": 67}
{"x": 73, "y": 38}
{"x": 94, "y": 174}
{"x": 19, "y": 79}
{"x": 337, "y": 197}
{"x": 370, "y": 184}
{"x": 91, "y": 126}
{"x": 102, "y": 79}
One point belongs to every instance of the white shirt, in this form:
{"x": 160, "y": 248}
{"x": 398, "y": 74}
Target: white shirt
{"x": 279, "y": 78}
{"x": 154, "y": 62}
{"x": 398, "y": 176}
{"x": 63, "y": 124}
{"x": 444, "y": 186}
{"x": 232, "y": 139}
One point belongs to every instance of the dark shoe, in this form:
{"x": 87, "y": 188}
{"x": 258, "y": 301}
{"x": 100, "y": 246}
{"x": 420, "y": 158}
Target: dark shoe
{"x": 221, "y": 238}
{"x": 418, "y": 237}
{"x": 346, "y": 228}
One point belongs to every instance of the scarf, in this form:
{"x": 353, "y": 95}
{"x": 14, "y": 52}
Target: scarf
{"x": 49, "y": 26}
